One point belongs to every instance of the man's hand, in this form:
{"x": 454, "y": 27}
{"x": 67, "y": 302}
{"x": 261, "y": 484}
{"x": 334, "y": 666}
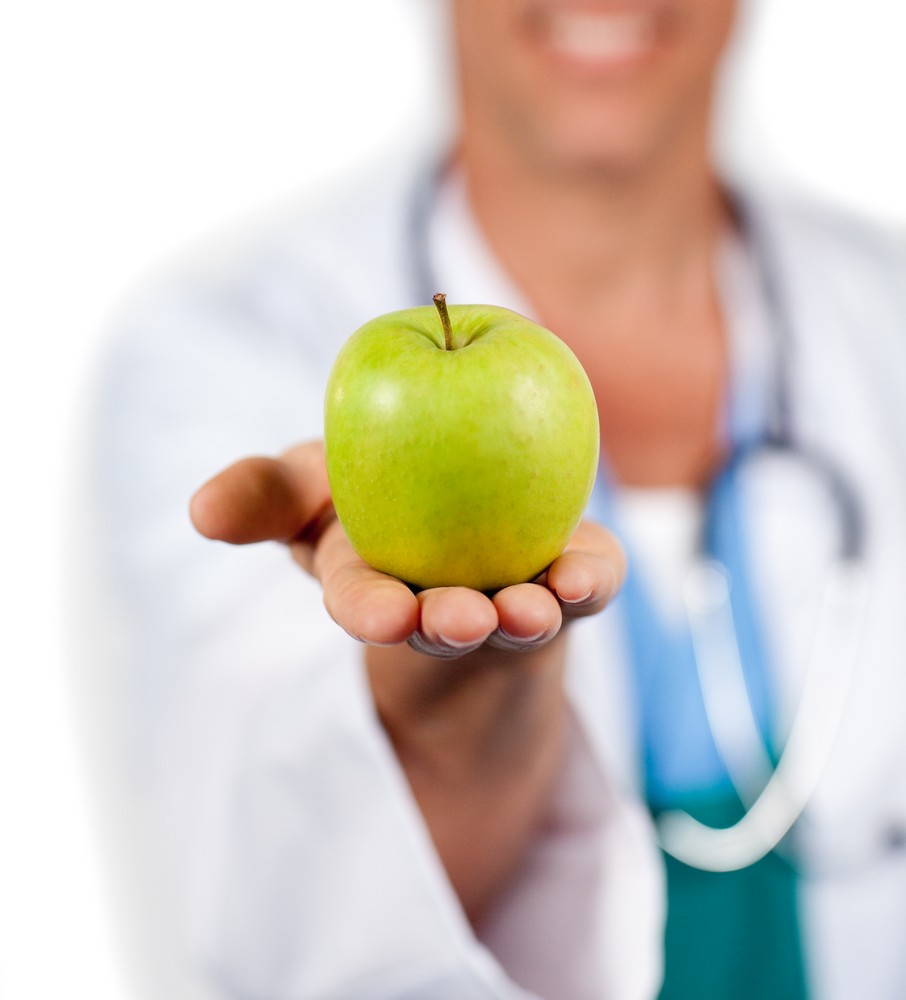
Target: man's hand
{"x": 287, "y": 499}
{"x": 474, "y": 704}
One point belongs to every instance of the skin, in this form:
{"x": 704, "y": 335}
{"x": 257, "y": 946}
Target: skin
{"x": 480, "y": 733}
{"x": 610, "y": 163}
{"x": 612, "y": 166}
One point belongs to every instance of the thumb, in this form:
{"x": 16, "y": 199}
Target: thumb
{"x": 264, "y": 499}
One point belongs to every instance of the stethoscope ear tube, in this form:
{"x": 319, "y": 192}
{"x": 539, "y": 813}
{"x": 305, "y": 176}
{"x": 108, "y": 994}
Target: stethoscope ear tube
{"x": 787, "y": 790}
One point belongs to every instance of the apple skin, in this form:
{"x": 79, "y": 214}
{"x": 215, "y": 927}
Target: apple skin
{"x": 466, "y": 467}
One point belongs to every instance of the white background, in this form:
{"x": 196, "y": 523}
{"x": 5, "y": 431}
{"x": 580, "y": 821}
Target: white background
{"x": 131, "y": 128}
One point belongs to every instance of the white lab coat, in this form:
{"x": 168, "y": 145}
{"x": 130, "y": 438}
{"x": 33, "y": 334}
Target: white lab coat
{"x": 299, "y": 866}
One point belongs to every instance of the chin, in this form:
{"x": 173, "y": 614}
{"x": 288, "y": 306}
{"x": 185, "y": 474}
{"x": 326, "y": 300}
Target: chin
{"x": 618, "y": 145}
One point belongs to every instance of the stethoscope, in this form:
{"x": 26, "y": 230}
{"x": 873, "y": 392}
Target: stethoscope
{"x": 774, "y": 796}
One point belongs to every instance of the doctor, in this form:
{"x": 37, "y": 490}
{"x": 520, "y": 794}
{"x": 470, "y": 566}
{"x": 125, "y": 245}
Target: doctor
{"x": 437, "y": 799}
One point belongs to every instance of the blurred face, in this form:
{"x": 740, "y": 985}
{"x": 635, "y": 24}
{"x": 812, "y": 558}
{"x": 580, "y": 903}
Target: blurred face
{"x": 588, "y": 84}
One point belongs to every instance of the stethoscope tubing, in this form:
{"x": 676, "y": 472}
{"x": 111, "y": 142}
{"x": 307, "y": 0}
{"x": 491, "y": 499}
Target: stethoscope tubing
{"x": 774, "y": 798}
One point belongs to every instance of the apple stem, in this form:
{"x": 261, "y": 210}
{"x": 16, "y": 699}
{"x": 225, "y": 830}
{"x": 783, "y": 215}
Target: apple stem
{"x": 440, "y": 300}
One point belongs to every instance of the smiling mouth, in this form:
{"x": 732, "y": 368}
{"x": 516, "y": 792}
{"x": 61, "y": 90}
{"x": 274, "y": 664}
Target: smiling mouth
{"x": 595, "y": 39}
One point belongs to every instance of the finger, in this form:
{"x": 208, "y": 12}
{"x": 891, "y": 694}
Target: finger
{"x": 454, "y": 621}
{"x": 261, "y": 499}
{"x": 529, "y": 616}
{"x": 589, "y": 573}
{"x": 372, "y": 607}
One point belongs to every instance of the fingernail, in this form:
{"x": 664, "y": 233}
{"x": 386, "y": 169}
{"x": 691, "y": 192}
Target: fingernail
{"x": 523, "y": 638}
{"x": 440, "y": 648}
{"x": 370, "y": 642}
{"x": 454, "y": 643}
{"x": 521, "y": 641}
{"x": 584, "y": 599}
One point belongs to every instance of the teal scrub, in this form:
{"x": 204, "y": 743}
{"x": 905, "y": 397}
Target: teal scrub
{"x": 732, "y": 935}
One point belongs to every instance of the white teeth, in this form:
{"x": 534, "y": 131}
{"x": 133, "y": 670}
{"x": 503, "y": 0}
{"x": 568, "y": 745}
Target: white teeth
{"x": 595, "y": 36}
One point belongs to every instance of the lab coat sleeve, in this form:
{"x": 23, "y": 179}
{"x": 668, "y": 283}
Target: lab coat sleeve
{"x": 593, "y": 877}
{"x": 298, "y": 867}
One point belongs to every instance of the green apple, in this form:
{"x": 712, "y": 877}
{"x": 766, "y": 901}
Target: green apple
{"x": 461, "y": 445}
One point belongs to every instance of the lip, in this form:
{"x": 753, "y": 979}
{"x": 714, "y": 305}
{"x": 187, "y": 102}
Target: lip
{"x": 597, "y": 39}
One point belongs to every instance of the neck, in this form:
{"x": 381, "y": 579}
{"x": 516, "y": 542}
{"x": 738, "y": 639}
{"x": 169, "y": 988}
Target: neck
{"x": 622, "y": 267}
{"x": 598, "y": 238}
